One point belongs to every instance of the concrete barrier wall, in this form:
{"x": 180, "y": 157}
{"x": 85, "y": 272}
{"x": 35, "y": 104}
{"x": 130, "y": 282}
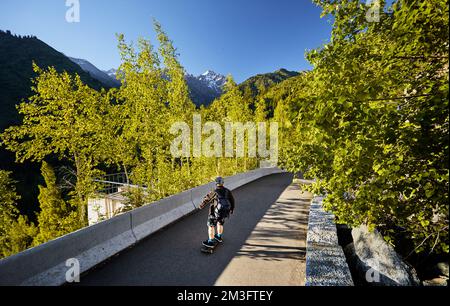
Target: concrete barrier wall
{"x": 45, "y": 265}
{"x": 150, "y": 218}
{"x": 326, "y": 264}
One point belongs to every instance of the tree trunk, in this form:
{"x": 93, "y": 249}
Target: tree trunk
{"x": 126, "y": 174}
{"x": 81, "y": 199}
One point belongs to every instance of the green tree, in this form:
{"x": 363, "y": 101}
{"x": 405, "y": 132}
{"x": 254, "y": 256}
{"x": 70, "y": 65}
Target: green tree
{"x": 64, "y": 117}
{"x": 154, "y": 96}
{"x": 56, "y": 217}
{"x": 180, "y": 105}
{"x": 20, "y": 236}
{"x": 16, "y": 233}
{"x": 181, "y": 109}
{"x": 374, "y": 130}
{"x": 237, "y": 109}
{"x": 8, "y": 198}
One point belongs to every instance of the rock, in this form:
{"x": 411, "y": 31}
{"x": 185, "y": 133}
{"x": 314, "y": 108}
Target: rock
{"x": 377, "y": 261}
{"x": 344, "y": 234}
{"x": 435, "y": 269}
{"x": 350, "y": 254}
{"x": 349, "y": 250}
{"x": 442, "y": 267}
{"x": 435, "y": 282}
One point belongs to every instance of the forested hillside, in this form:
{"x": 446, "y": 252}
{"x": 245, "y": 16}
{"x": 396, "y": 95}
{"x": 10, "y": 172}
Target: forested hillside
{"x": 260, "y": 83}
{"x": 17, "y": 55}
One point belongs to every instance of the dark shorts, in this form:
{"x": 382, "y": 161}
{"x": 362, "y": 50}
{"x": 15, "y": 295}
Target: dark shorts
{"x": 213, "y": 220}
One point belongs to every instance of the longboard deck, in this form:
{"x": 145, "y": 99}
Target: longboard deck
{"x": 209, "y": 250}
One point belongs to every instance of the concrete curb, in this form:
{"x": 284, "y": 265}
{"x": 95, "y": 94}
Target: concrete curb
{"x": 326, "y": 264}
{"x": 45, "y": 265}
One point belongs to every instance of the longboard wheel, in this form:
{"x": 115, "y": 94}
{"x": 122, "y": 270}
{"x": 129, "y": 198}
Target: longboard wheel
{"x": 207, "y": 250}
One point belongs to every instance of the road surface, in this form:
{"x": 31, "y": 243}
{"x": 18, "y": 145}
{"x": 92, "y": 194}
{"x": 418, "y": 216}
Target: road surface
{"x": 264, "y": 244}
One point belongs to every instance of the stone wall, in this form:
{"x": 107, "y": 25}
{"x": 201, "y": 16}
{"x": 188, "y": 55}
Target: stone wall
{"x": 326, "y": 264}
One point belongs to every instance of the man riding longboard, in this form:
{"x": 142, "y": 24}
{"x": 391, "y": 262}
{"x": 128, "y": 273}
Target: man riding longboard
{"x": 221, "y": 206}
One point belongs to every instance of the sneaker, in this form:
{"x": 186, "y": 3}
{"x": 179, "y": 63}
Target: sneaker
{"x": 218, "y": 238}
{"x": 208, "y": 244}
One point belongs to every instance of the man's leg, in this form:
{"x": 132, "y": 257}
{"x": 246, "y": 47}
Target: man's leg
{"x": 219, "y": 229}
{"x": 211, "y": 232}
{"x": 212, "y": 222}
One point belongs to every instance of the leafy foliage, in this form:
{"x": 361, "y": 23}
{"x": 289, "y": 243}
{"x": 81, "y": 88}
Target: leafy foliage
{"x": 56, "y": 217}
{"x": 63, "y": 118}
{"x": 16, "y": 233}
{"x": 372, "y": 121}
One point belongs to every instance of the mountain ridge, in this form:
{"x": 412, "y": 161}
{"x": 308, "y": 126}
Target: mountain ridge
{"x": 260, "y": 83}
{"x": 203, "y": 88}
{"x": 96, "y": 73}
{"x": 206, "y": 87}
{"x": 17, "y": 54}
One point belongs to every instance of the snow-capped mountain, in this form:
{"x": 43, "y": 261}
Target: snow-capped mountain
{"x": 213, "y": 80}
{"x": 111, "y": 72}
{"x": 96, "y": 73}
{"x": 205, "y": 87}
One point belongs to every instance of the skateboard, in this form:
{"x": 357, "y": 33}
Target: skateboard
{"x": 210, "y": 250}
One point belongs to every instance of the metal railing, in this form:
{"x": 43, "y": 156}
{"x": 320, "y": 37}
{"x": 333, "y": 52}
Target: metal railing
{"x": 111, "y": 183}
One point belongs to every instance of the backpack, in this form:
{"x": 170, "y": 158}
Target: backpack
{"x": 223, "y": 205}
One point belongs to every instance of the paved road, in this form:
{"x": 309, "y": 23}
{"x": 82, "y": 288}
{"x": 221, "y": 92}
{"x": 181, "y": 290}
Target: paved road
{"x": 265, "y": 237}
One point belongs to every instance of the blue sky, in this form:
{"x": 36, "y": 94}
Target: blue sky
{"x": 240, "y": 37}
